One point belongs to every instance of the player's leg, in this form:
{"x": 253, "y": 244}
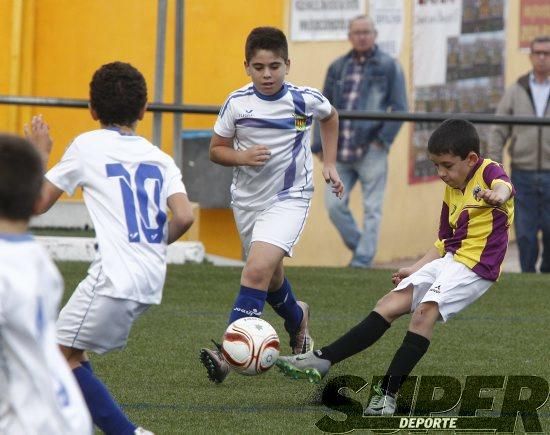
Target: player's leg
{"x": 295, "y": 313}
{"x": 267, "y": 237}
{"x": 338, "y": 209}
{"x": 262, "y": 260}
{"x": 106, "y": 414}
{"x": 414, "y": 346}
{"x": 91, "y": 321}
{"x": 315, "y": 365}
{"x": 401, "y": 300}
{"x": 455, "y": 287}
{"x": 372, "y": 170}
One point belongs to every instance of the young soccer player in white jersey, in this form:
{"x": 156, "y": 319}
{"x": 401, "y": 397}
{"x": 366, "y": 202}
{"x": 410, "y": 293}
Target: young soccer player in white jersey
{"x": 128, "y": 186}
{"x": 38, "y": 393}
{"x": 476, "y": 215}
{"x": 263, "y": 131}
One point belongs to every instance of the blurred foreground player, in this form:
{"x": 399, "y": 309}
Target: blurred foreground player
{"x": 38, "y": 393}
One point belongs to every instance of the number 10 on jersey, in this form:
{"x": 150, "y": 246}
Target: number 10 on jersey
{"x": 131, "y": 191}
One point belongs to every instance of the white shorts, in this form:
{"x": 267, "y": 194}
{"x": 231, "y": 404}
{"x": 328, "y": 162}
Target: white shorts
{"x": 452, "y": 285}
{"x": 281, "y": 224}
{"x": 90, "y": 321}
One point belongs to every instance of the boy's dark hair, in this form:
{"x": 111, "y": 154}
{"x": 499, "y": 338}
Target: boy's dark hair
{"x": 118, "y": 93}
{"x": 266, "y": 38}
{"x": 454, "y": 136}
{"x": 21, "y": 175}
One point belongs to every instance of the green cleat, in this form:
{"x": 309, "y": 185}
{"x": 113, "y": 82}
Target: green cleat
{"x": 304, "y": 366}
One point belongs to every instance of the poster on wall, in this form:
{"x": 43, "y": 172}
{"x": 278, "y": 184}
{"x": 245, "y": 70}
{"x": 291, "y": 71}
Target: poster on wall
{"x": 322, "y": 20}
{"x": 534, "y": 20}
{"x": 458, "y": 67}
{"x": 388, "y": 16}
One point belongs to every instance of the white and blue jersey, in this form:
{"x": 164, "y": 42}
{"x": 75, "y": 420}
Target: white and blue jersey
{"x": 282, "y": 122}
{"x": 38, "y": 392}
{"x": 126, "y": 182}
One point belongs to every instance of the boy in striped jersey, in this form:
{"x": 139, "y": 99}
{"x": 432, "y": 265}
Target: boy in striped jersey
{"x": 466, "y": 259}
{"x": 263, "y": 132}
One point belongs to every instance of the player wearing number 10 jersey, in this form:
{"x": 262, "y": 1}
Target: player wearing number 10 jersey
{"x": 128, "y": 186}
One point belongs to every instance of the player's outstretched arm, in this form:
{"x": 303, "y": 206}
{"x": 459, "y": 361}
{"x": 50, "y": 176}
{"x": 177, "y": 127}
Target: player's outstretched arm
{"x": 222, "y": 153}
{"x": 329, "y": 139}
{"x": 48, "y": 196}
{"x": 182, "y": 216}
{"x": 498, "y": 195}
{"x": 38, "y": 133}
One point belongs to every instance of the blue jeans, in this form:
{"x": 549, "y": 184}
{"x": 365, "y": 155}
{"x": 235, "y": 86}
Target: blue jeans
{"x": 371, "y": 171}
{"x": 532, "y": 214}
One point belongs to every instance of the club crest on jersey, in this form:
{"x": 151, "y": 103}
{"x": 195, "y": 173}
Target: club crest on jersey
{"x": 300, "y": 122}
{"x": 476, "y": 191}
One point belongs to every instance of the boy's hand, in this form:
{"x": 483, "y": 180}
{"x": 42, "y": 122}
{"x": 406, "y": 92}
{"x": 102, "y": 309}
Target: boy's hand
{"x": 492, "y": 197}
{"x": 400, "y": 274}
{"x": 258, "y": 155}
{"x": 38, "y": 133}
{"x": 330, "y": 175}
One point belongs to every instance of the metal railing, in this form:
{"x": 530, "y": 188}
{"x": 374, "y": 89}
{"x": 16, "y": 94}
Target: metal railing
{"x": 344, "y": 114}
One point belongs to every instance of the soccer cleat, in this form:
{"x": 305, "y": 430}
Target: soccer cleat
{"x": 215, "y": 364}
{"x": 304, "y": 366}
{"x": 300, "y": 340}
{"x": 381, "y": 403}
{"x": 141, "y": 431}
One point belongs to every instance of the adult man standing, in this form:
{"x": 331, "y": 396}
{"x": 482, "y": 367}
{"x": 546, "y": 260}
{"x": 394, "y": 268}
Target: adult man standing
{"x": 530, "y": 156}
{"x": 365, "y": 78}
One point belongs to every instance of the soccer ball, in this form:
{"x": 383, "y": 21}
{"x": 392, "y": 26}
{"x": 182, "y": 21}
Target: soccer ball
{"x": 250, "y": 346}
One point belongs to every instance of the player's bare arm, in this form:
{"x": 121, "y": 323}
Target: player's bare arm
{"x": 38, "y": 133}
{"x": 432, "y": 254}
{"x": 182, "y": 216}
{"x": 329, "y": 139}
{"x": 498, "y": 195}
{"x": 223, "y": 153}
{"x": 48, "y": 196}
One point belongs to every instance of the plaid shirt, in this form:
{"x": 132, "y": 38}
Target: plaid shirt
{"x": 348, "y": 151}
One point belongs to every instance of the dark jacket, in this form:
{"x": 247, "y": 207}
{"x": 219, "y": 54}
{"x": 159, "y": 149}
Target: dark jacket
{"x": 381, "y": 89}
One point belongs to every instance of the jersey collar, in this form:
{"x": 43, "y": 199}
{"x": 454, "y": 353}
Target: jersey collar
{"x": 473, "y": 171}
{"x": 118, "y": 130}
{"x": 273, "y": 97}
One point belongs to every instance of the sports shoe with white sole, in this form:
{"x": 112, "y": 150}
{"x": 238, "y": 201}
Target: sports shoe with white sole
{"x": 381, "y": 403}
{"x": 215, "y": 364}
{"x": 304, "y": 366}
{"x": 141, "y": 431}
{"x": 300, "y": 340}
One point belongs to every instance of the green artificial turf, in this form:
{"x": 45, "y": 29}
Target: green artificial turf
{"x": 162, "y": 386}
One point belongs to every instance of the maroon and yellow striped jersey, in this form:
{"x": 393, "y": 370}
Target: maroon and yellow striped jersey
{"x": 475, "y": 232}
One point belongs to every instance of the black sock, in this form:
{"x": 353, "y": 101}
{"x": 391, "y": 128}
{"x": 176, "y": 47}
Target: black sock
{"x": 356, "y": 339}
{"x": 412, "y": 349}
